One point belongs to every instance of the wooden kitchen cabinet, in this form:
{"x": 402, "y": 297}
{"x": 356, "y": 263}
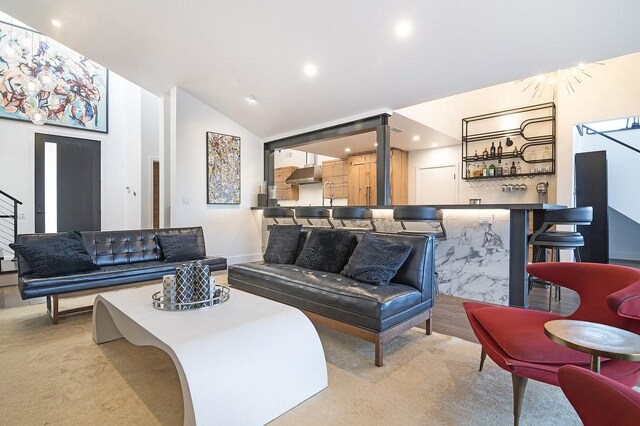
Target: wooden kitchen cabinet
{"x": 284, "y": 191}
{"x": 362, "y": 183}
{"x": 336, "y": 172}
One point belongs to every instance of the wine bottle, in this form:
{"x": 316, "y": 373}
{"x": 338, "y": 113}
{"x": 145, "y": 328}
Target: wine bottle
{"x": 492, "y": 170}
{"x": 499, "y": 170}
{"x": 513, "y": 169}
{"x": 485, "y": 153}
{"x": 475, "y": 156}
{"x": 492, "y": 151}
{"x": 500, "y": 149}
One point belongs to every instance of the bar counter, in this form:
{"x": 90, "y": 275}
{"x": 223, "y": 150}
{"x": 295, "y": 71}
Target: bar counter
{"x": 486, "y": 252}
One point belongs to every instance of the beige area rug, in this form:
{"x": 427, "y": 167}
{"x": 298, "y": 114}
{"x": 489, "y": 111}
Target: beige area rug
{"x": 57, "y": 375}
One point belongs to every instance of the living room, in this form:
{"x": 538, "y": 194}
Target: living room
{"x": 224, "y": 125}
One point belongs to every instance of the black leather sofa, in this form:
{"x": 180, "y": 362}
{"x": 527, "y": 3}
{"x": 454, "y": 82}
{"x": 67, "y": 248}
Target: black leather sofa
{"x": 124, "y": 257}
{"x": 373, "y": 313}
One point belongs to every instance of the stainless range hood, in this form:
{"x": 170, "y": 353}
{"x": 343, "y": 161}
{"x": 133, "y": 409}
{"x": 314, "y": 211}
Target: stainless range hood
{"x": 310, "y": 173}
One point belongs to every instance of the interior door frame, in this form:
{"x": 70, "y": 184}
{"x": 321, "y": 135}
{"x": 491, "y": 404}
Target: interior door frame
{"x": 153, "y": 159}
{"x": 456, "y": 186}
{"x": 38, "y": 187}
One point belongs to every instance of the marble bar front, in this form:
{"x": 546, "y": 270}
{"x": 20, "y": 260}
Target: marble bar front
{"x": 485, "y": 254}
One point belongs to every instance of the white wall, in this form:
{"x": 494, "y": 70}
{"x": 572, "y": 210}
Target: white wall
{"x": 150, "y": 151}
{"x": 120, "y": 154}
{"x": 230, "y": 230}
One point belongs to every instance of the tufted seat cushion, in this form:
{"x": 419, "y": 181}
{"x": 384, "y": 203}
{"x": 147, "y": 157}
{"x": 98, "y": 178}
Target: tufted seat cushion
{"x": 526, "y": 342}
{"x": 559, "y": 237}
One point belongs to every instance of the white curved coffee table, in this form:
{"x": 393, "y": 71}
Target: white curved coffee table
{"x": 246, "y": 361}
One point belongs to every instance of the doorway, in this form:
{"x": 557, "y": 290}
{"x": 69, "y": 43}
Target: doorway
{"x": 155, "y": 191}
{"x": 67, "y": 184}
{"x": 436, "y": 185}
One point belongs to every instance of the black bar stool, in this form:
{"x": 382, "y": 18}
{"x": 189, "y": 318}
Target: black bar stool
{"x": 430, "y": 215}
{"x": 275, "y": 213}
{"x": 309, "y": 213}
{"x": 555, "y": 241}
{"x": 343, "y": 213}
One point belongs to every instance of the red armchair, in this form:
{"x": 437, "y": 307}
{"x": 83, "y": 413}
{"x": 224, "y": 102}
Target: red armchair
{"x": 514, "y": 337}
{"x": 599, "y": 400}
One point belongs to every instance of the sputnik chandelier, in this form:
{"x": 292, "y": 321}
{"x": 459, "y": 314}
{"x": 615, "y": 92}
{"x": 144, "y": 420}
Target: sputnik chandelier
{"x": 568, "y": 79}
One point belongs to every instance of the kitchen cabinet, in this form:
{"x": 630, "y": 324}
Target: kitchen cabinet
{"x": 336, "y": 172}
{"x": 284, "y": 191}
{"x": 362, "y": 182}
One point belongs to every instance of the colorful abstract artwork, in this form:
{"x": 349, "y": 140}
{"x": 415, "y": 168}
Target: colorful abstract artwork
{"x": 47, "y": 83}
{"x": 223, "y": 169}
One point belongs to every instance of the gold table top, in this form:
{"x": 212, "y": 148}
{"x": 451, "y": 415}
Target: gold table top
{"x": 595, "y": 339}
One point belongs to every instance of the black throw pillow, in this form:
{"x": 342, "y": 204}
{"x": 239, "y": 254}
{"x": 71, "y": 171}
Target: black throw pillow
{"x": 326, "y": 250}
{"x": 282, "y": 245}
{"x": 180, "y": 247}
{"x": 56, "y": 254}
{"x": 375, "y": 260}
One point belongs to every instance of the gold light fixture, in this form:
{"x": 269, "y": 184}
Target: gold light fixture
{"x": 568, "y": 79}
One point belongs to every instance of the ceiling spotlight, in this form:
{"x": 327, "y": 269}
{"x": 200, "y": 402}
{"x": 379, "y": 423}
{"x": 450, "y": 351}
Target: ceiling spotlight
{"x": 434, "y": 144}
{"x": 375, "y": 144}
{"x": 251, "y": 99}
{"x": 347, "y": 149}
{"x": 416, "y": 138}
{"x": 310, "y": 70}
{"x": 56, "y": 23}
{"x": 403, "y": 29}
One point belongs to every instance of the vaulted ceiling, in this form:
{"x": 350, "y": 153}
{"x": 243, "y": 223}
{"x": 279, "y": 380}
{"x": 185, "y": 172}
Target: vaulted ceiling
{"x": 223, "y": 51}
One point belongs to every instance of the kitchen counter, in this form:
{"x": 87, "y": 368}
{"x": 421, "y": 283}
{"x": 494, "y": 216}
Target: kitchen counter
{"x": 486, "y": 252}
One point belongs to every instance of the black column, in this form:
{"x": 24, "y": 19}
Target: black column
{"x": 518, "y": 254}
{"x": 383, "y": 161}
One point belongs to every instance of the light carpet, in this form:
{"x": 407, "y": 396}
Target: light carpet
{"x": 57, "y": 375}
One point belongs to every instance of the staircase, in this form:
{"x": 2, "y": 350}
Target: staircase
{"x": 8, "y": 222}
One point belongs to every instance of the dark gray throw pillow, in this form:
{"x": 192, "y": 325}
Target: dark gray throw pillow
{"x": 326, "y": 250}
{"x": 56, "y": 254}
{"x": 180, "y": 247}
{"x": 375, "y": 260}
{"x": 282, "y": 245}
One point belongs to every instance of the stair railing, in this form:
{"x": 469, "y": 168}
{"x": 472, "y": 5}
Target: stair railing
{"x": 8, "y": 221}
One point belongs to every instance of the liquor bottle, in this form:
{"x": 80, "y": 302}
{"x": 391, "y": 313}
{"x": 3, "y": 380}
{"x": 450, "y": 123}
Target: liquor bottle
{"x": 484, "y": 169}
{"x": 518, "y": 169}
{"x": 492, "y": 151}
{"x": 500, "y": 149}
{"x": 513, "y": 169}
{"x": 546, "y": 154}
{"x": 499, "y": 170}
{"x": 468, "y": 170}
{"x": 515, "y": 150}
{"x": 492, "y": 170}
{"x": 475, "y": 157}
{"x": 485, "y": 153}
{"x": 478, "y": 171}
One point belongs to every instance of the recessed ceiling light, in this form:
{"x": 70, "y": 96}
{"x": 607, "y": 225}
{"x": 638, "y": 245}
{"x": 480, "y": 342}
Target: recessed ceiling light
{"x": 403, "y": 29}
{"x": 251, "y": 99}
{"x": 347, "y": 149}
{"x": 375, "y": 144}
{"x": 434, "y": 144}
{"x": 416, "y": 138}
{"x": 56, "y": 23}
{"x": 310, "y": 70}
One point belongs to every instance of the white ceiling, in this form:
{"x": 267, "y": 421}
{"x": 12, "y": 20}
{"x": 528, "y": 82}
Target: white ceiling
{"x": 401, "y": 138}
{"x": 222, "y": 51}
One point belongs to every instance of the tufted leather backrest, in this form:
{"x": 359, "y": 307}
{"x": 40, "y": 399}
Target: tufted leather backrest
{"x": 131, "y": 246}
{"x": 417, "y": 271}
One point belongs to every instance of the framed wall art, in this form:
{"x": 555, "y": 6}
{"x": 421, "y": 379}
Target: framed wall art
{"x": 223, "y": 169}
{"x": 44, "y": 82}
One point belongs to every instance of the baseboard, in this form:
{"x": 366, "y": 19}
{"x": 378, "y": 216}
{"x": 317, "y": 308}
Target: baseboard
{"x": 244, "y": 258}
{"x": 624, "y": 255}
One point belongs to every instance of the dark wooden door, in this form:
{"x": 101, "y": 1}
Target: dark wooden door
{"x": 592, "y": 190}
{"x": 156, "y": 194}
{"x": 67, "y": 179}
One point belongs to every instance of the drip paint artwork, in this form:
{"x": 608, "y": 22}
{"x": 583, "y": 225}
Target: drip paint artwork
{"x": 223, "y": 169}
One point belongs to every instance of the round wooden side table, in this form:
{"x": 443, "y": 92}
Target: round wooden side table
{"x": 597, "y": 340}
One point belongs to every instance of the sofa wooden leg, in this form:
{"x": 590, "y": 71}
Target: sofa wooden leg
{"x": 428, "y": 327}
{"x": 483, "y": 357}
{"x": 52, "y": 308}
{"x": 519, "y": 386}
{"x": 379, "y": 351}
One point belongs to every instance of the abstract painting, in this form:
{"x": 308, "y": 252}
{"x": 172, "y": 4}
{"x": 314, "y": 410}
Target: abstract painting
{"x": 47, "y": 83}
{"x": 223, "y": 169}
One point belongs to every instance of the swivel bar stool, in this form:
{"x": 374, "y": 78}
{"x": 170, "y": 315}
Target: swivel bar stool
{"x": 555, "y": 241}
{"x": 309, "y": 213}
{"x": 275, "y": 213}
{"x": 430, "y": 215}
{"x": 343, "y": 213}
